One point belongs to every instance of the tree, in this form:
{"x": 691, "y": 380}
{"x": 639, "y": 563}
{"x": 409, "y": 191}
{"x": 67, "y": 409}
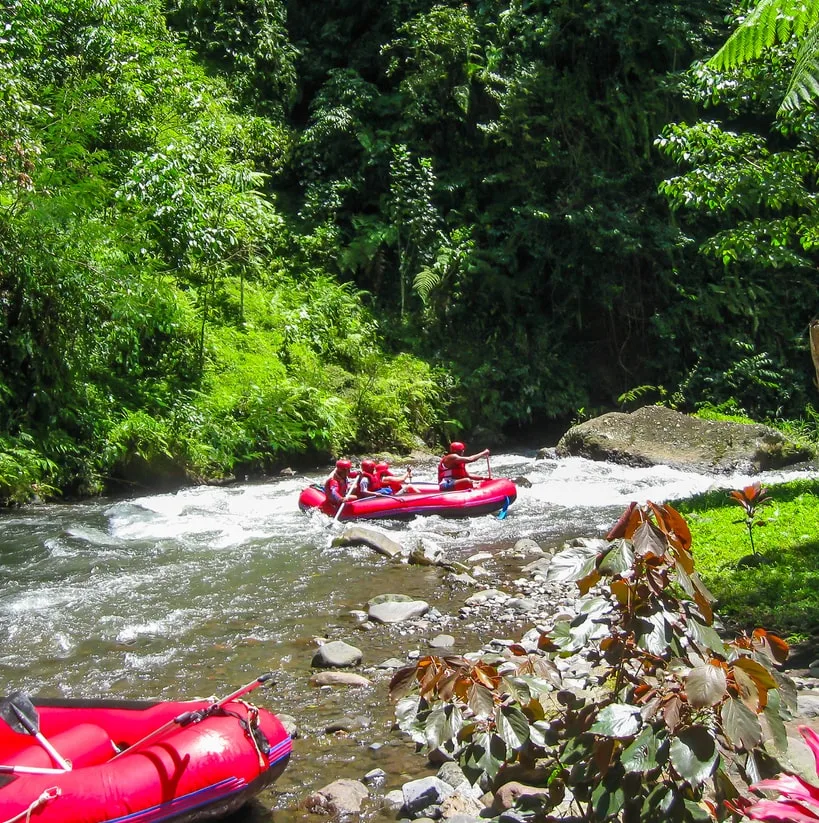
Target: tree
{"x": 772, "y": 22}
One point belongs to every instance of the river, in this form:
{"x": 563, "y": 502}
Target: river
{"x": 175, "y": 596}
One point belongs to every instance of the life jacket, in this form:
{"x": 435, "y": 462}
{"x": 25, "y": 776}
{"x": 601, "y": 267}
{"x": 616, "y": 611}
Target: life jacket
{"x": 456, "y": 472}
{"x": 369, "y": 482}
{"x": 335, "y": 489}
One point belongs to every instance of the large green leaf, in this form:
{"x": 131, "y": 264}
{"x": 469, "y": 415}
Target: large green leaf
{"x": 618, "y": 720}
{"x": 513, "y": 727}
{"x": 772, "y": 719}
{"x": 619, "y": 558}
{"x": 694, "y": 754}
{"x": 740, "y": 725}
{"x": 443, "y": 724}
{"x": 653, "y": 632}
{"x": 641, "y": 754}
{"x": 606, "y": 802}
{"x": 571, "y": 565}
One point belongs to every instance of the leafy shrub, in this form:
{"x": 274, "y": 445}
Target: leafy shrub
{"x": 675, "y": 714}
{"x": 24, "y": 470}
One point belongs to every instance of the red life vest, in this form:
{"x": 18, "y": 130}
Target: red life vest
{"x": 335, "y": 489}
{"x": 446, "y": 473}
{"x": 369, "y": 482}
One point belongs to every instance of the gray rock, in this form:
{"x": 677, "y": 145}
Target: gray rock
{"x": 655, "y": 435}
{"x": 376, "y": 540}
{"x": 392, "y": 663}
{"x": 375, "y": 777}
{"x": 394, "y": 800}
{"x": 339, "y": 679}
{"x": 389, "y": 598}
{"x": 290, "y": 725}
{"x": 337, "y": 654}
{"x": 453, "y": 774}
{"x": 419, "y": 795}
{"x": 397, "y": 612}
{"x": 527, "y": 546}
{"x": 348, "y": 724}
{"x": 342, "y": 797}
{"x": 482, "y": 597}
{"x": 807, "y": 705}
{"x": 442, "y": 641}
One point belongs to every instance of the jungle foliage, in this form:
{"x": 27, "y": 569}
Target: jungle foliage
{"x": 236, "y": 232}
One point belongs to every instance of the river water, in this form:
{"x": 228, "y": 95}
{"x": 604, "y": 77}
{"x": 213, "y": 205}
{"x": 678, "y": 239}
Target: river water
{"x": 192, "y": 594}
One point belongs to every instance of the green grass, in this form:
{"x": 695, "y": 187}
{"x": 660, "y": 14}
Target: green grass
{"x": 780, "y": 594}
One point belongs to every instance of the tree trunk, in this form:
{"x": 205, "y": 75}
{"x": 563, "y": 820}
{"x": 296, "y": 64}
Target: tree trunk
{"x": 814, "y": 347}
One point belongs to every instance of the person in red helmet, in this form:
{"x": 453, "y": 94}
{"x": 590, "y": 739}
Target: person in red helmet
{"x": 452, "y": 473}
{"x": 388, "y": 483}
{"x": 368, "y": 479}
{"x": 337, "y": 486}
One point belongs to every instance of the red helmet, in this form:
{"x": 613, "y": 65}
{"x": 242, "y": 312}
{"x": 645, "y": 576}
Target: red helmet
{"x": 344, "y": 465}
{"x": 382, "y": 468}
{"x": 457, "y": 446}
{"x": 368, "y": 465}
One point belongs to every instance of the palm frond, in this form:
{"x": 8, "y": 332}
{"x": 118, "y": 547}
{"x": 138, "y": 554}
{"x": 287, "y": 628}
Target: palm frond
{"x": 804, "y": 82}
{"x": 771, "y": 21}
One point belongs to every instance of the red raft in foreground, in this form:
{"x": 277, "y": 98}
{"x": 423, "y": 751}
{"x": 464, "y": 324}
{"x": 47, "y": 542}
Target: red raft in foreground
{"x": 488, "y": 496}
{"x": 136, "y": 761}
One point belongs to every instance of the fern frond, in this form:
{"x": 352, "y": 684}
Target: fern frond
{"x": 772, "y": 21}
{"x": 804, "y": 82}
{"x": 425, "y": 281}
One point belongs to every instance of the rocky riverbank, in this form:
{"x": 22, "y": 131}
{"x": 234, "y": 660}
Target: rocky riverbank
{"x": 504, "y": 596}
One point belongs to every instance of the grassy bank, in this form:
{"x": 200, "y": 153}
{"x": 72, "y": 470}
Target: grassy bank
{"x": 779, "y": 589}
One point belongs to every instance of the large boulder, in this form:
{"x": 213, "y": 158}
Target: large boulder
{"x": 656, "y": 435}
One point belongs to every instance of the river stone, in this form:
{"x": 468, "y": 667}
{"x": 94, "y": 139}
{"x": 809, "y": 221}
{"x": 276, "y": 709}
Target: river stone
{"x": 339, "y": 679}
{"x": 419, "y": 795}
{"x": 341, "y": 797}
{"x": 398, "y": 611}
{"x": 527, "y": 546}
{"x": 378, "y": 541}
{"x": 453, "y": 774}
{"x": 481, "y": 597}
{"x": 394, "y": 800}
{"x": 337, "y": 654}
{"x": 389, "y": 598}
{"x": 655, "y": 435}
{"x": 506, "y": 796}
{"x": 442, "y": 641}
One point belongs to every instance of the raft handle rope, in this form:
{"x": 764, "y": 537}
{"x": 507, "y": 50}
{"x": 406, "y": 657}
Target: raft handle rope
{"x": 252, "y": 729}
{"x": 47, "y": 796}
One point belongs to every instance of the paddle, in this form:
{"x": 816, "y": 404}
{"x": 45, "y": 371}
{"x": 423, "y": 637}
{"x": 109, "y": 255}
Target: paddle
{"x": 19, "y": 712}
{"x": 196, "y": 716}
{"x": 347, "y": 497}
{"x": 488, "y": 468}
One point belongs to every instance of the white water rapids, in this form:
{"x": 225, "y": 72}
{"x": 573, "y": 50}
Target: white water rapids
{"x": 197, "y": 592}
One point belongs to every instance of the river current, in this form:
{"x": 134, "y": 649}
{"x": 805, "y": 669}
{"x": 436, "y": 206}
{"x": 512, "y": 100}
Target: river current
{"x": 191, "y": 594}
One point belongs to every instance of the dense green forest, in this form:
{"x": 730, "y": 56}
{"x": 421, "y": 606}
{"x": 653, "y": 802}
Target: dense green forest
{"x": 237, "y": 232}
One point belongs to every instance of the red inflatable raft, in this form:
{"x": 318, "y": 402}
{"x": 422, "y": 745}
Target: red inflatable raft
{"x": 486, "y": 497}
{"x": 137, "y": 761}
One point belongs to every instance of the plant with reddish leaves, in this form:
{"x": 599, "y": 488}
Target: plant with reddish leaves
{"x": 752, "y": 498}
{"x": 672, "y": 713}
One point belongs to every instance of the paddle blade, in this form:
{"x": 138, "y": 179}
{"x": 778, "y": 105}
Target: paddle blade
{"x": 502, "y": 512}
{"x": 19, "y": 712}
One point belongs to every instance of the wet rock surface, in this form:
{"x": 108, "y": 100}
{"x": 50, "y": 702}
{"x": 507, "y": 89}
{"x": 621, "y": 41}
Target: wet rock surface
{"x": 655, "y": 435}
